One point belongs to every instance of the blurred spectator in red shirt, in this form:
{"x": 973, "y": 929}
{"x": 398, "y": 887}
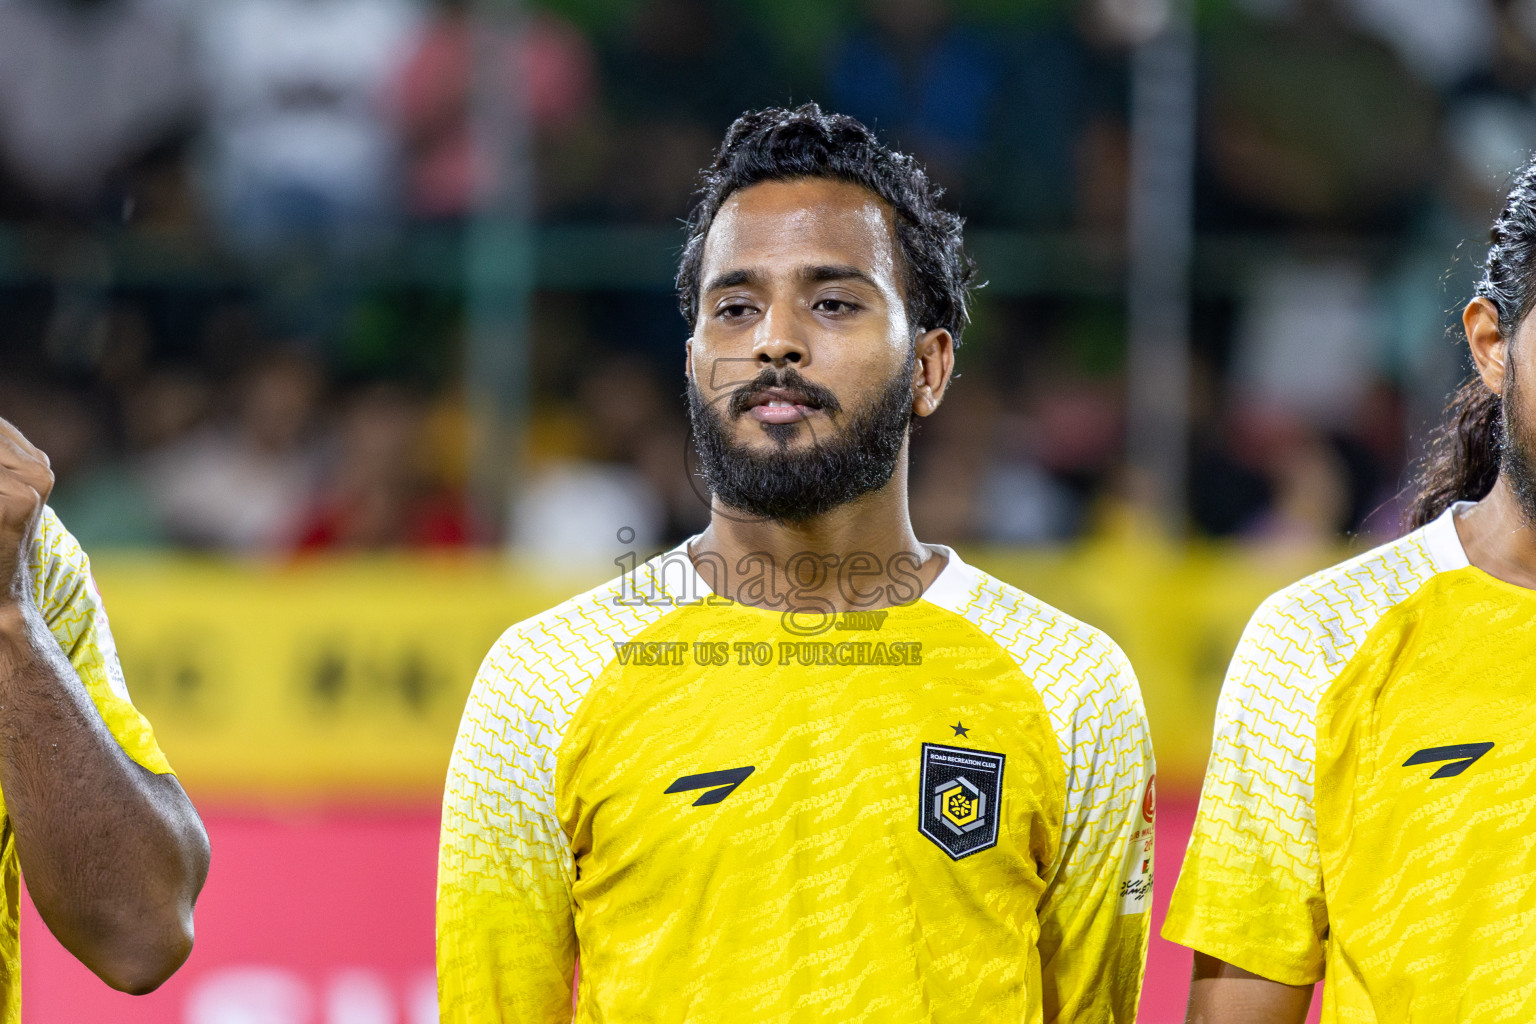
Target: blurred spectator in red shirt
{"x": 547, "y": 69}
{"x": 381, "y": 490}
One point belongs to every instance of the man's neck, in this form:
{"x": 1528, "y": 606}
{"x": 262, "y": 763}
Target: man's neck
{"x": 1497, "y": 537}
{"x": 862, "y": 555}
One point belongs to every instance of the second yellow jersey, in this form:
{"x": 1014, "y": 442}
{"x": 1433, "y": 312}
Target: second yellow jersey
{"x": 929, "y": 813}
{"x": 1369, "y": 814}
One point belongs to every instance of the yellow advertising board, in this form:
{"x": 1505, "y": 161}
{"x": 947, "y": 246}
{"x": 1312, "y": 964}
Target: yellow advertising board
{"x": 344, "y": 679}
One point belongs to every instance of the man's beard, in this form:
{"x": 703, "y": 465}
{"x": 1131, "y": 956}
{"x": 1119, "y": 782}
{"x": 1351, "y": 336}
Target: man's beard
{"x": 1515, "y": 461}
{"x": 794, "y": 485}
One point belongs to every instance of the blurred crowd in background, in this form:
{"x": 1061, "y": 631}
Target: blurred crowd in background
{"x": 231, "y": 242}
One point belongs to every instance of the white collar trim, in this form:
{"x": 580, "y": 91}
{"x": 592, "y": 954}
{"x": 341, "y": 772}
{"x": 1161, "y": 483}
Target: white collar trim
{"x": 1443, "y": 542}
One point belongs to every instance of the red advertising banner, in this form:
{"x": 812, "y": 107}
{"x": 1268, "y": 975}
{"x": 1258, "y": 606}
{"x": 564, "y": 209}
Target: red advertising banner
{"x": 306, "y": 919}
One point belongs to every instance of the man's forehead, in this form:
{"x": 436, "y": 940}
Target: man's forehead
{"x": 799, "y": 223}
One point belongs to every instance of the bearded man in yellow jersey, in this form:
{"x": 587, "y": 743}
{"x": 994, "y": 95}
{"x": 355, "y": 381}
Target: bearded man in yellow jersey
{"x": 804, "y": 767}
{"x": 113, "y": 852}
{"x": 1369, "y": 814}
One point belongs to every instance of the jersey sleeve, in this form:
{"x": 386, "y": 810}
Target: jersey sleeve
{"x": 66, "y": 594}
{"x": 506, "y": 943}
{"x": 1251, "y": 890}
{"x": 1096, "y": 911}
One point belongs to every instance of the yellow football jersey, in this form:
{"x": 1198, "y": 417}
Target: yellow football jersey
{"x": 1366, "y": 814}
{"x": 66, "y": 594}
{"x": 938, "y": 811}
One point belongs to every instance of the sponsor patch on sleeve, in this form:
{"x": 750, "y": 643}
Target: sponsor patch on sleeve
{"x": 1136, "y": 879}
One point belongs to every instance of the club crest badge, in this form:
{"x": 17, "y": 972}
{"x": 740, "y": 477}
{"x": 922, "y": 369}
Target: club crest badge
{"x": 960, "y": 795}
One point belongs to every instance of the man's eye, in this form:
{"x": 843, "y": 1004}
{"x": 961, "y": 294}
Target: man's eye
{"x": 734, "y": 310}
{"x": 836, "y": 306}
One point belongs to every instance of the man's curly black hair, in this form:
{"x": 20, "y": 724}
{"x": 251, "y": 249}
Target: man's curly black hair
{"x": 777, "y": 144}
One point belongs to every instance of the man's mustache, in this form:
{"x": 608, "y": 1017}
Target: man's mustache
{"x": 789, "y": 379}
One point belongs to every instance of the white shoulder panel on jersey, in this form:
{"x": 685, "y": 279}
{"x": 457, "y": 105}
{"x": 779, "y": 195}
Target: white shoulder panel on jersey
{"x": 1263, "y": 758}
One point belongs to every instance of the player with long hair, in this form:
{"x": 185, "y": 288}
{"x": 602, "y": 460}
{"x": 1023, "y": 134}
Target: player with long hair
{"x": 804, "y": 767}
{"x": 1366, "y": 819}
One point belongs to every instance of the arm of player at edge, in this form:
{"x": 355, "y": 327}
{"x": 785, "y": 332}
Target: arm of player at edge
{"x": 1220, "y": 993}
{"x": 114, "y": 855}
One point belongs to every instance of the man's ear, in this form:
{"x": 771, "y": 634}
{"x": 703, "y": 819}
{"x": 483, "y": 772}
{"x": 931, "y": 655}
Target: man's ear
{"x": 932, "y": 369}
{"x": 1489, "y": 348}
{"x": 688, "y": 359}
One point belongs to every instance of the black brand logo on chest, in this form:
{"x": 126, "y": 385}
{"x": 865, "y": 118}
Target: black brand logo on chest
{"x": 720, "y": 784}
{"x": 960, "y": 796}
{"x": 1460, "y": 755}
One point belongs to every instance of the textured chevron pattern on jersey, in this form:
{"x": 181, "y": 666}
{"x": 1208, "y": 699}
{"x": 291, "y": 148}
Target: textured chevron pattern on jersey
{"x": 1251, "y": 888}
{"x": 1097, "y": 715}
{"x": 66, "y": 594}
{"x": 808, "y": 893}
{"x": 505, "y": 868}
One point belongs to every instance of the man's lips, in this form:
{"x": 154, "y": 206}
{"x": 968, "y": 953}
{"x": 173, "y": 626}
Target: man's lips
{"x": 780, "y": 405}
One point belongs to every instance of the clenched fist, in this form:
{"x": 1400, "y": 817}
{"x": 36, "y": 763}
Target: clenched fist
{"x": 26, "y": 480}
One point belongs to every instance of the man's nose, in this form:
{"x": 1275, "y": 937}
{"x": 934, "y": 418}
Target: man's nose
{"x": 780, "y": 341}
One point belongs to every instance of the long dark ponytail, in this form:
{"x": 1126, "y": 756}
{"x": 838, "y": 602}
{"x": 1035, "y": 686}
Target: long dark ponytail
{"x": 1462, "y": 460}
